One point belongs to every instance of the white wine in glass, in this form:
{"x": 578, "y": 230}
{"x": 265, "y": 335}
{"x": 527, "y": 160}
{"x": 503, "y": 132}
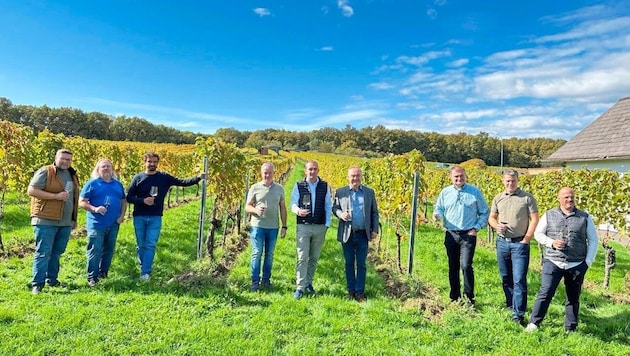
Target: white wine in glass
{"x": 69, "y": 186}
{"x": 154, "y": 191}
{"x": 107, "y": 201}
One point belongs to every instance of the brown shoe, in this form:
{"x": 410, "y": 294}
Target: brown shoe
{"x": 360, "y": 298}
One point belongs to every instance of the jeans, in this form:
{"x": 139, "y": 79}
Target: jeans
{"x": 460, "y": 248}
{"x": 100, "y": 250}
{"x": 355, "y": 252}
{"x": 147, "y": 230}
{"x": 310, "y": 241}
{"x": 50, "y": 243}
{"x": 513, "y": 260}
{"x": 262, "y": 239}
{"x": 550, "y": 279}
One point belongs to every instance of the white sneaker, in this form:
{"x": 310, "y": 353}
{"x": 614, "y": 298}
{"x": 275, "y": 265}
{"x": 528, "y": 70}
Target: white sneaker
{"x": 531, "y": 327}
{"x": 144, "y": 277}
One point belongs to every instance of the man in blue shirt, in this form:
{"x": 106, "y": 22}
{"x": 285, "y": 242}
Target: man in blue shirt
{"x": 103, "y": 196}
{"x": 464, "y": 212}
{"x": 355, "y": 206}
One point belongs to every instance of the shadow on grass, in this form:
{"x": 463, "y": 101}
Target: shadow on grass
{"x": 613, "y": 328}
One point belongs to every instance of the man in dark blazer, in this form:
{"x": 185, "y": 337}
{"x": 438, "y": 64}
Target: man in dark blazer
{"x": 356, "y": 208}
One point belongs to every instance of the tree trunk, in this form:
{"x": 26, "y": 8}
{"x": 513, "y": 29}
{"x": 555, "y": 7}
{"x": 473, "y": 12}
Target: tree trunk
{"x": 399, "y": 243}
{"x": 1, "y": 218}
{"x": 213, "y": 226}
{"x": 610, "y": 263}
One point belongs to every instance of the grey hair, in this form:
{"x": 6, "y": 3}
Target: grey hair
{"x": 511, "y": 173}
{"x": 268, "y": 164}
{"x": 95, "y": 170}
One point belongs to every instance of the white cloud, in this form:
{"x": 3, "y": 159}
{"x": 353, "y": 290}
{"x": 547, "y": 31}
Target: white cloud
{"x": 432, "y": 13}
{"x": 458, "y": 62}
{"x": 327, "y": 48}
{"x": 261, "y": 11}
{"x": 381, "y": 86}
{"x": 346, "y": 10}
{"x": 423, "y": 59}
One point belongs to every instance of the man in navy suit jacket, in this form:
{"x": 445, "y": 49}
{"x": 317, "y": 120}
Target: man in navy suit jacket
{"x": 355, "y": 206}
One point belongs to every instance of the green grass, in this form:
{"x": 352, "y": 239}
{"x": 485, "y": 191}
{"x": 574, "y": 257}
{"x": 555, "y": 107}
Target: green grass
{"x": 123, "y": 316}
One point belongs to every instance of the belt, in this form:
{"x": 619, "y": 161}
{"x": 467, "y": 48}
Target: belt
{"x": 460, "y": 231}
{"x": 512, "y": 239}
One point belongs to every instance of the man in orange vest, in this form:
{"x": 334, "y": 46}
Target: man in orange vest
{"x": 54, "y": 197}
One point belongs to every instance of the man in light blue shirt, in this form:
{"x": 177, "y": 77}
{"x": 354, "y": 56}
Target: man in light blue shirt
{"x": 464, "y": 212}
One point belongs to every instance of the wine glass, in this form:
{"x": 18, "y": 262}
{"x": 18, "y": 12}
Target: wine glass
{"x": 505, "y": 228}
{"x": 154, "y": 191}
{"x": 69, "y": 186}
{"x": 306, "y": 201}
{"x": 263, "y": 205}
{"x": 107, "y": 201}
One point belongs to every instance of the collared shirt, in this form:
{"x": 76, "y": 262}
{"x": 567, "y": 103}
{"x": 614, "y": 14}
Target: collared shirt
{"x": 271, "y": 195}
{"x": 357, "y": 202}
{"x": 591, "y": 235}
{"x": 462, "y": 208}
{"x": 514, "y": 210}
{"x": 295, "y": 196}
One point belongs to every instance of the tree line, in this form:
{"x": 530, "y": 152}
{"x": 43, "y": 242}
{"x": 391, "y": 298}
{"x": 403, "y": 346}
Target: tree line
{"x": 368, "y": 141}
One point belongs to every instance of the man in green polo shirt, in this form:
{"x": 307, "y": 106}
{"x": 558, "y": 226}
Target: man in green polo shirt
{"x": 514, "y": 215}
{"x": 265, "y": 203}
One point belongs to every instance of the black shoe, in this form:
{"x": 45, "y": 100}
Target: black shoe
{"x": 37, "y": 289}
{"x": 267, "y": 285}
{"x": 309, "y": 289}
{"x": 360, "y": 298}
{"x": 102, "y": 275}
{"x": 519, "y": 321}
{"x": 350, "y": 295}
{"x": 255, "y": 287}
{"x": 54, "y": 283}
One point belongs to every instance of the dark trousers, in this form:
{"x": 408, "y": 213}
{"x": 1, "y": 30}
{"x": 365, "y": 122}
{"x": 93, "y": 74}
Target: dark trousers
{"x": 551, "y": 276}
{"x": 460, "y": 248}
{"x": 355, "y": 252}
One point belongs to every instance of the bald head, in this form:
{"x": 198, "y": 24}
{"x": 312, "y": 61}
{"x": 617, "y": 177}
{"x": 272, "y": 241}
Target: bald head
{"x": 566, "y": 199}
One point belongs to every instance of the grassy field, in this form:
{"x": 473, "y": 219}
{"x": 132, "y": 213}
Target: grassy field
{"x": 202, "y": 315}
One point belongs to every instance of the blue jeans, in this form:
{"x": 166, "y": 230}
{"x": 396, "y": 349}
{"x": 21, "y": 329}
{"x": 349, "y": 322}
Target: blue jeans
{"x": 460, "y": 249}
{"x": 147, "y": 230}
{"x": 100, "y": 250}
{"x": 513, "y": 260}
{"x": 262, "y": 239}
{"x": 50, "y": 243}
{"x": 355, "y": 253}
{"x": 550, "y": 279}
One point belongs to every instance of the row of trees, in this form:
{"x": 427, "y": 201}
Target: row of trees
{"x": 368, "y": 141}
{"x": 93, "y": 125}
{"x": 377, "y": 141}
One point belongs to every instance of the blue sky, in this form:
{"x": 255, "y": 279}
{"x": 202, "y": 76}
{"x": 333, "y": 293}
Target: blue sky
{"x": 511, "y": 68}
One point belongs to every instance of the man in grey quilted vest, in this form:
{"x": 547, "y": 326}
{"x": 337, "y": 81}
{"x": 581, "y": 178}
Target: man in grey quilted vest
{"x": 570, "y": 241}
